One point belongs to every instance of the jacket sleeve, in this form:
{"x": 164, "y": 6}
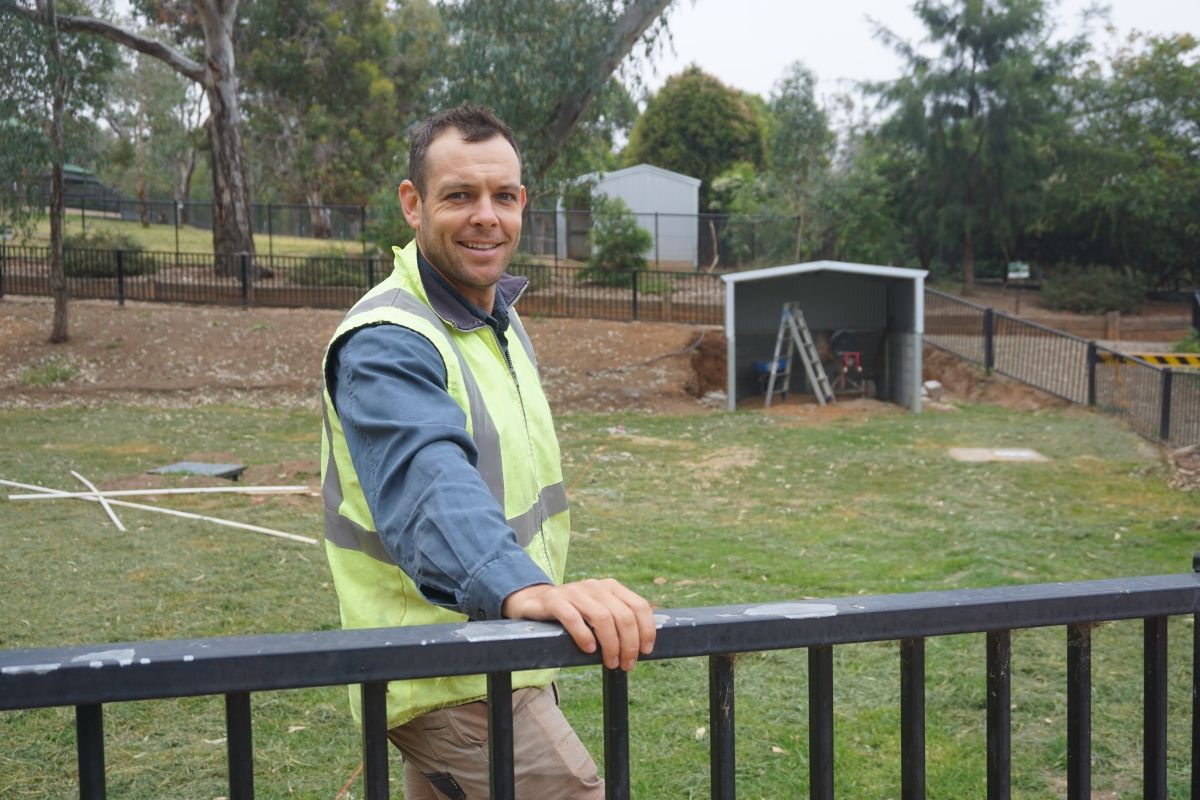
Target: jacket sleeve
{"x": 409, "y": 444}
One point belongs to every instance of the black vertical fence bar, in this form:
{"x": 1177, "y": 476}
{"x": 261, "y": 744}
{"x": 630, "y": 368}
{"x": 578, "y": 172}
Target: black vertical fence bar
{"x": 270, "y": 235}
{"x": 820, "y": 722}
{"x": 3, "y": 256}
{"x": 912, "y": 719}
{"x": 1164, "y": 417}
{"x": 239, "y": 745}
{"x": 375, "y": 741}
{"x": 1079, "y": 712}
{"x": 120, "y": 255}
{"x": 502, "y": 774}
{"x": 362, "y": 227}
{"x": 616, "y": 734}
{"x": 89, "y": 743}
{"x": 1155, "y": 726}
{"x": 989, "y": 340}
{"x": 1091, "y": 373}
{"x": 244, "y": 262}
{"x": 633, "y": 287}
{"x": 1196, "y": 310}
{"x": 999, "y": 715}
{"x": 722, "y": 764}
{"x": 370, "y": 272}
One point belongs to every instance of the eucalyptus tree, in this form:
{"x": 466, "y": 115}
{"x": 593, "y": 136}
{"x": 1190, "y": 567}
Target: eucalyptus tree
{"x": 328, "y": 90}
{"x": 546, "y": 67}
{"x": 203, "y": 31}
{"x": 984, "y": 115}
{"x": 48, "y": 77}
{"x": 1128, "y": 195}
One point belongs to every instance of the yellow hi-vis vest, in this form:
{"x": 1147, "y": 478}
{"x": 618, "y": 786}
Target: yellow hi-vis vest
{"x": 508, "y": 418}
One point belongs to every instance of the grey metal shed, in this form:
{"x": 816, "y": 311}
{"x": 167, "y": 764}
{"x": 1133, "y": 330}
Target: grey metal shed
{"x": 666, "y": 204}
{"x": 880, "y": 309}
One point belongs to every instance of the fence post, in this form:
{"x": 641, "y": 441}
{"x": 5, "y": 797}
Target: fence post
{"x": 244, "y": 259}
{"x": 120, "y": 277}
{"x": 989, "y": 341}
{"x": 1091, "y": 375}
{"x": 657, "y": 263}
{"x": 270, "y": 236}
{"x": 370, "y": 272}
{"x": 1164, "y": 420}
{"x": 633, "y": 285}
{"x": 3, "y": 255}
{"x": 1196, "y": 310}
{"x": 362, "y": 227}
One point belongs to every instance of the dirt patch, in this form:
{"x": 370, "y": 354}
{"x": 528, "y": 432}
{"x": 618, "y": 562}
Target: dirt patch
{"x": 964, "y": 381}
{"x": 1185, "y": 468}
{"x": 179, "y": 355}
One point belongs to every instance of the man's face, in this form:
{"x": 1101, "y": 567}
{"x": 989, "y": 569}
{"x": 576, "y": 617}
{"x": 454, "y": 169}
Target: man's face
{"x": 468, "y": 221}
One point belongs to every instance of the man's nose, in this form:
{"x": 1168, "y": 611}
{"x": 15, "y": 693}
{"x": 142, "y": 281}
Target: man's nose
{"x": 484, "y": 213}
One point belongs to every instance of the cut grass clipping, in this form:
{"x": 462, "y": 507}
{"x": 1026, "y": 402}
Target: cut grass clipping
{"x": 688, "y": 511}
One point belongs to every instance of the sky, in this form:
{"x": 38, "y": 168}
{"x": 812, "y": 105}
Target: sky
{"x": 748, "y": 43}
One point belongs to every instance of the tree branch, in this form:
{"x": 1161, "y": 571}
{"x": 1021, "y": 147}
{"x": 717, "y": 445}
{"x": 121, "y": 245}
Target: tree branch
{"x": 638, "y": 17}
{"x": 98, "y": 27}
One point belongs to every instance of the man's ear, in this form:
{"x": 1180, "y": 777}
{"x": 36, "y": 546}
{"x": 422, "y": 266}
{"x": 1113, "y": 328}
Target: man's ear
{"x": 410, "y": 203}
{"x": 524, "y": 199}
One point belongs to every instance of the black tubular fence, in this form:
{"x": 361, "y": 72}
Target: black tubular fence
{"x": 337, "y": 282}
{"x": 1159, "y": 403}
{"x": 89, "y": 677}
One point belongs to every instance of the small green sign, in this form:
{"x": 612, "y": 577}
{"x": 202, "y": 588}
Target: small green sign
{"x": 1018, "y": 270}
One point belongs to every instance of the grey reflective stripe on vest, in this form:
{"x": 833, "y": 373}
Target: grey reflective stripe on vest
{"x": 551, "y": 500}
{"x": 523, "y": 338}
{"x": 343, "y": 532}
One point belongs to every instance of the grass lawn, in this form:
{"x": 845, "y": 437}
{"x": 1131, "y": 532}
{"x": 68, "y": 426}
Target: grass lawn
{"x": 689, "y": 511}
{"x": 161, "y": 238}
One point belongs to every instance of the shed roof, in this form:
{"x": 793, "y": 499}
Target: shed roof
{"x": 653, "y": 170}
{"x": 825, "y": 266}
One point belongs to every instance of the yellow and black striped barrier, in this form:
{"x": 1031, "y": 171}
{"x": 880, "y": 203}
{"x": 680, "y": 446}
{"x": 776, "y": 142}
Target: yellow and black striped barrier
{"x": 1185, "y": 360}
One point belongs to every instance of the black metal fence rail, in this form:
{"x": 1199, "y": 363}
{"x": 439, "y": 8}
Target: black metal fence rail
{"x": 1159, "y": 403}
{"x": 337, "y": 282}
{"x": 89, "y": 677}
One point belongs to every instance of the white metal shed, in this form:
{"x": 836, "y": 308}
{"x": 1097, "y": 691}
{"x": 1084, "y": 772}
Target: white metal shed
{"x": 881, "y": 309}
{"x": 667, "y": 205}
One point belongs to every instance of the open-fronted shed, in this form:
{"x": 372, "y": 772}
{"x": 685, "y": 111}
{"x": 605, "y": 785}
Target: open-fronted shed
{"x": 860, "y": 316}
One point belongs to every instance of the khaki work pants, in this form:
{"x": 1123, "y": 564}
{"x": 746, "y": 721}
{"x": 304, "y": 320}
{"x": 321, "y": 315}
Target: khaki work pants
{"x": 446, "y": 753}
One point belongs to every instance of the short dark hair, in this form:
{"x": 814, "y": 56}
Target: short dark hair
{"x": 474, "y": 123}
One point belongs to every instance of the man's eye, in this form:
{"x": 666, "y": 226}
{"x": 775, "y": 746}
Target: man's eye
{"x": 457, "y": 196}
{"x": 507, "y": 197}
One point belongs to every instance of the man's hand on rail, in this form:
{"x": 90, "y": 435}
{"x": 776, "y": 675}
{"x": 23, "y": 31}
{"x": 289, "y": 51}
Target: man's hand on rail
{"x": 594, "y": 612}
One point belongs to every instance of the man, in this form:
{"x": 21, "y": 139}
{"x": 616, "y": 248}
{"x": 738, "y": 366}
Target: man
{"x": 442, "y": 482}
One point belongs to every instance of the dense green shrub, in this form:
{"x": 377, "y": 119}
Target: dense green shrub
{"x": 1188, "y": 344}
{"x": 618, "y": 243}
{"x": 1092, "y": 290}
{"x": 92, "y": 254}
{"x": 331, "y": 267}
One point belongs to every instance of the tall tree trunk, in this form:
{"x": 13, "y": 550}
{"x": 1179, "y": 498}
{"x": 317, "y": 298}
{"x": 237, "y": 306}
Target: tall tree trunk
{"x": 968, "y": 260}
{"x": 59, "y": 331}
{"x": 233, "y": 233}
{"x": 318, "y": 214}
